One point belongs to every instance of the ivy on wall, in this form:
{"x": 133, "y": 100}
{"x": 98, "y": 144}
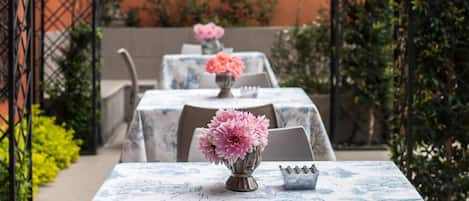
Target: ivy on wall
{"x": 439, "y": 168}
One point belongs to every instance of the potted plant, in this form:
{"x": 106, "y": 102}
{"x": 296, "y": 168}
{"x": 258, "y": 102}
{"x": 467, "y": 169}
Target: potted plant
{"x": 236, "y": 139}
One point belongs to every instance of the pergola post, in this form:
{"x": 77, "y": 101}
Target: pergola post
{"x": 334, "y": 67}
{"x": 411, "y": 64}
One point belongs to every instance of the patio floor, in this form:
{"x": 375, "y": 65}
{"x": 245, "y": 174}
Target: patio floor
{"x": 82, "y": 180}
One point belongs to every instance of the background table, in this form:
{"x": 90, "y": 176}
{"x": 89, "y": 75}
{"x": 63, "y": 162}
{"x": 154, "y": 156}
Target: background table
{"x": 357, "y": 180}
{"x": 182, "y": 71}
{"x": 152, "y": 135}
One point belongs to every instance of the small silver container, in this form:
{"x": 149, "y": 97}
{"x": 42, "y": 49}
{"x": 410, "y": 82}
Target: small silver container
{"x": 300, "y": 178}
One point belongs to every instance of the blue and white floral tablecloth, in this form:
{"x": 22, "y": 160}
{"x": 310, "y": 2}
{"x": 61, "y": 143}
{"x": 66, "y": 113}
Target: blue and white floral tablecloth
{"x": 183, "y": 71}
{"x": 152, "y": 133}
{"x": 351, "y": 180}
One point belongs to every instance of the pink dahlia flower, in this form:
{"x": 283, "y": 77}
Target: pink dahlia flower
{"x": 222, "y": 116}
{"x": 207, "y": 148}
{"x": 232, "y": 134}
{"x": 233, "y": 140}
{"x": 261, "y": 125}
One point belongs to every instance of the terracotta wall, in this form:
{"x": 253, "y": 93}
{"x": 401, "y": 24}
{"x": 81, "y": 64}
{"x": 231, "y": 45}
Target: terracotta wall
{"x": 53, "y": 7}
{"x": 20, "y": 55}
{"x": 285, "y": 14}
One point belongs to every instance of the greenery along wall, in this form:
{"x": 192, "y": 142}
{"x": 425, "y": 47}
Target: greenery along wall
{"x": 189, "y": 12}
{"x": 70, "y": 95}
{"x": 440, "y": 165}
{"x": 367, "y": 61}
{"x": 53, "y": 149}
{"x": 300, "y": 57}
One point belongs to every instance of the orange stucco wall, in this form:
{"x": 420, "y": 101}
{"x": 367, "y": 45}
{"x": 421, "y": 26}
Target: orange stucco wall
{"x": 285, "y": 14}
{"x": 21, "y": 55}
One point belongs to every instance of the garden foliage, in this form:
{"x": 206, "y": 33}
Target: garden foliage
{"x": 300, "y": 57}
{"x": 374, "y": 70}
{"x": 227, "y": 13}
{"x": 53, "y": 149}
{"x": 440, "y": 164}
{"x": 70, "y": 92}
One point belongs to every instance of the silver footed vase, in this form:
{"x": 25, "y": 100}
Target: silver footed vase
{"x": 225, "y": 82}
{"x": 211, "y": 46}
{"x": 241, "y": 179}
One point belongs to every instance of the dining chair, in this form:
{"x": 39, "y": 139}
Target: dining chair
{"x": 254, "y": 79}
{"x": 288, "y": 144}
{"x": 191, "y": 49}
{"x": 207, "y": 81}
{"x": 193, "y": 117}
{"x": 195, "y": 155}
{"x": 133, "y": 99}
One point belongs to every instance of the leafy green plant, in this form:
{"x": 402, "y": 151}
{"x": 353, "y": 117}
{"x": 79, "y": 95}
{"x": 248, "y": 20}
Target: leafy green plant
{"x": 299, "y": 58}
{"x": 367, "y": 58}
{"x": 132, "y": 19}
{"x": 70, "y": 96}
{"x": 53, "y": 148}
{"x": 161, "y": 12}
{"x": 439, "y": 168}
{"x": 23, "y": 185}
{"x": 194, "y": 11}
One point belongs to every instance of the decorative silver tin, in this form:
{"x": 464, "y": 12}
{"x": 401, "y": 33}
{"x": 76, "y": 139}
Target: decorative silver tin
{"x": 300, "y": 178}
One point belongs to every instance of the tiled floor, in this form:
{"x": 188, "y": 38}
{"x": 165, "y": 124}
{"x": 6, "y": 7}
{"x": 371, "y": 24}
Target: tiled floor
{"x": 82, "y": 180}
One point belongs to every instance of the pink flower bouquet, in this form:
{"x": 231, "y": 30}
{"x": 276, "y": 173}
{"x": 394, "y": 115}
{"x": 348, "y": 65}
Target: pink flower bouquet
{"x": 231, "y": 135}
{"x": 224, "y": 63}
{"x": 208, "y": 31}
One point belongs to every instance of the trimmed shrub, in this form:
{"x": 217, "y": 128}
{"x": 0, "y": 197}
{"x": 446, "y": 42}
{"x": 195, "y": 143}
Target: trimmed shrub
{"x": 53, "y": 148}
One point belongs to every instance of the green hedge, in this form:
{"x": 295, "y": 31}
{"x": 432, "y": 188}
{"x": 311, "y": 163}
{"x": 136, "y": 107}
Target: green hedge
{"x": 53, "y": 148}
{"x": 440, "y": 165}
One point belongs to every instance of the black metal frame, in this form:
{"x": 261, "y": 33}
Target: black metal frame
{"x": 18, "y": 47}
{"x": 50, "y": 48}
{"x": 334, "y": 66}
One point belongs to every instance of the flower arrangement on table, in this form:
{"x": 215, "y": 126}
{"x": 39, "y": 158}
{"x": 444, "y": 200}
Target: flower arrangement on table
{"x": 226, "y": 69}
{"x": 209, "y": 35}
{"x": 236, "y": 139}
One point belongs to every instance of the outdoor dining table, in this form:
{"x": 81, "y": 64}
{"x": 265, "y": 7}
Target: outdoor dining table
{"x": 152, "y": 134}
{"x": 183, "y": 71}
{"x": 338, "y": 180}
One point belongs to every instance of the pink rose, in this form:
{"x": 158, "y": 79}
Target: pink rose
{"x": 219, "y": 32}
{"x": 199, "y": 32}
{"x": 207, "y": 32}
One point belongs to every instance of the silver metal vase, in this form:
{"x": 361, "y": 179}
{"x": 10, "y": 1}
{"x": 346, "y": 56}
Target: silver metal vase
{"x": 241, "y": 178}
{"x": 211, "y": 46}
{"x": 225, "y": 81}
